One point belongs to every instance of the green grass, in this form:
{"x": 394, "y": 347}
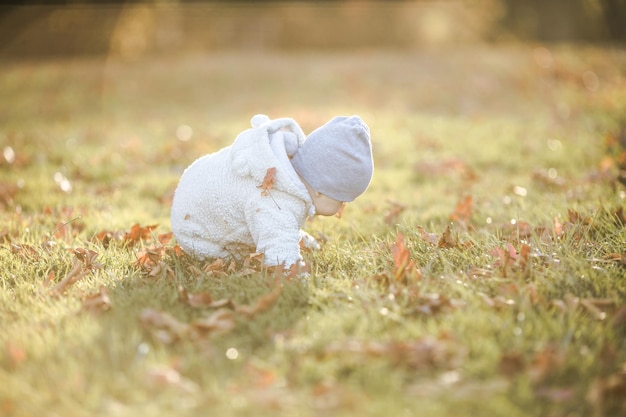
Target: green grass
{"x": 465, "y": 333}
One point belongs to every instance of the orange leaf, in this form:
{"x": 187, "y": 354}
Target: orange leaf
{"x": 164, "y": 238}
{"x": 462, "y": 214}
{"x": 200, "y": 299}
{"x": 447, "y": 240}
{"x": 268, "y": 181}
{"x": 98, "y": 302}
{"x": 263, "y": 303}
{"x": 138, "y": 233}
{"x": 431, "y": 238}
{"x": 401, "y": 258}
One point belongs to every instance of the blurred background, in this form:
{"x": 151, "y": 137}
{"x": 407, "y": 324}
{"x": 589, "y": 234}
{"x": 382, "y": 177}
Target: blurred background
{"x": 132, "y": 30}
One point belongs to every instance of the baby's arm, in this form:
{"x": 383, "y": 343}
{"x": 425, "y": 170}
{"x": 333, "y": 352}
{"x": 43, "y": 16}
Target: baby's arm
{"x": 276, "y": 232}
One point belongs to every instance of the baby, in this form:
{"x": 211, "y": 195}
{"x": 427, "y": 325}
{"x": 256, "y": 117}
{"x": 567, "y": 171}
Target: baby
{"x": 255, "y": 195}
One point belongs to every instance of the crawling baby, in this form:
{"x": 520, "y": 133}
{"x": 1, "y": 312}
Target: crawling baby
{"x": 256, "y": 194}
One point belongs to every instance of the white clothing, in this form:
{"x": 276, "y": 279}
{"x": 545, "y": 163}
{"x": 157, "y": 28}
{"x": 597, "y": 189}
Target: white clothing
{"x": 220, "y": 210}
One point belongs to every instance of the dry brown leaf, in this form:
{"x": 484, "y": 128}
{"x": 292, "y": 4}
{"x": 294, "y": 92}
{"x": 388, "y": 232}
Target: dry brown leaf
{"x": 163, "y": 326}
{"x": 138, "y": 233}
{"x": 404, "y": 265}
{"x": 431, "y": 238}
{"x": 197, "y": 300}
{"x": 463, "y": 211}
{"x": 98, "y": 302}
{"x": 164, "y": 238}
{"x": 262, "y": 304}
{"x": 268, "y": 181}
{"x": 221, "y": 321}
{"x": 447, "y": 240}
{"x": 76, "y": 273}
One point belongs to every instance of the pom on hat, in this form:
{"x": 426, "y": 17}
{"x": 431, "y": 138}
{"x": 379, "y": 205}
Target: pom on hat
{"x": 336, "y": 158}
{"x": 258, "y": 120}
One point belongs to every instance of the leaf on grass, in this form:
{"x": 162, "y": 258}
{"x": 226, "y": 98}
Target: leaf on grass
{"x": 138, "y": 233}
{"x": 462, "y": 214}
{"x": 268, "y": 181}
{"x": 164, "y": 238}
{"x": 215, "y": 267}
{"x": 98, "y": 302}
{"x": 164, "y": 327}
{"x": 404, "y": 265}
{"x": 220, "y": 321}
{"x": 82, "y": 264}
{"x": 262, "y": 304}
{"x": 150, "y": 261}
{"x": 431, "y": 238}
{"x": 197, "y": 300}
{"x": 447, "y": 240}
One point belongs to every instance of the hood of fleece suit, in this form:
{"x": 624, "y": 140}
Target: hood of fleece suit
{"x": 270, "y": 144}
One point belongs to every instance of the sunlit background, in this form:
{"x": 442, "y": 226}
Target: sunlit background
{"x": 133, "y": 30}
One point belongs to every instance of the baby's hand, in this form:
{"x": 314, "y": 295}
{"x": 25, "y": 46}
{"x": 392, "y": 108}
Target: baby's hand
{"x": 308, "y": 242}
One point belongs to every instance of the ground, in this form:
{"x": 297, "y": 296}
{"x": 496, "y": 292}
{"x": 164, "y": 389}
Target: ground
{"x": 482, "y": 273}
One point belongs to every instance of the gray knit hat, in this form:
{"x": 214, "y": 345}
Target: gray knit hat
{"x": 336, "y": 158}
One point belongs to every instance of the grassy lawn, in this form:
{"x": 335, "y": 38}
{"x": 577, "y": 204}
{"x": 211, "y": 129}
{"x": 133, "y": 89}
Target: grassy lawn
{"x": 482, "y": 274}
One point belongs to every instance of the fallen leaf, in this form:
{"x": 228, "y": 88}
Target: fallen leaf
{"x": 164, "y": 238}
{"x": 447, "y": 240}
{"x": 221, "y": 321}
{"x": 262, "y": 304}
{"x": 163, "y": 326}
{"x": 462, "y": 214}
{"x": 268, "y": 181}
{"x": 197, "y": 300}
{"x": 98, "y": 302}
{"x": 138, "y": 233}
{"x": 404, "y": 265}
{"x": 431, "y": 238}
{"x": 82, "y": 264}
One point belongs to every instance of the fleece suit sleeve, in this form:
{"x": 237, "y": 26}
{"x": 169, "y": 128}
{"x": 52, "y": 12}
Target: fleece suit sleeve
{"x": 276, "y": 228}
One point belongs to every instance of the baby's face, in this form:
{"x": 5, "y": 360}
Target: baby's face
{"x": 324, "y": 205}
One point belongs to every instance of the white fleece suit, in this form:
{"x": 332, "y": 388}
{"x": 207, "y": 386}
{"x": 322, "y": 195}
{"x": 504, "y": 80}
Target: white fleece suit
{"x": 219, "y": 209}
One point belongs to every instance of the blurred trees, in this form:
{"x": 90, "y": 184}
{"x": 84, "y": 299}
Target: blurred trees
{"x": 565, "y": 20}
{"x": 135, "y": 28}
